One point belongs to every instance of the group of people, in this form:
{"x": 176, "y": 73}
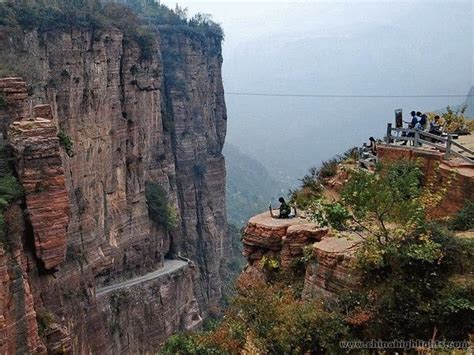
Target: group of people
{"x": 419, "y": 121}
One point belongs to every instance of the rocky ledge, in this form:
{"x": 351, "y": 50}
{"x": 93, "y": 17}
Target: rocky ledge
{"x": 329, "y": 271}
{"x": 328, "y": 263}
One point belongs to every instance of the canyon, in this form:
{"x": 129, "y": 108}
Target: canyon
{"x": 86, "y": 128}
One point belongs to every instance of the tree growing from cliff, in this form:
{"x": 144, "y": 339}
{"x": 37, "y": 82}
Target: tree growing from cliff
{"x": 159, "y": 209}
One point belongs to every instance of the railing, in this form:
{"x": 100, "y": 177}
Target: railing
{"x": 444, "y": 144}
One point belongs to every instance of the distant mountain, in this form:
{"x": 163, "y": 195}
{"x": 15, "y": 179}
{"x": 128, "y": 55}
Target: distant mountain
{"x": 250, "y": 188}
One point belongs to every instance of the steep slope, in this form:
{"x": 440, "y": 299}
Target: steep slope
{"x": 132, "y": 119}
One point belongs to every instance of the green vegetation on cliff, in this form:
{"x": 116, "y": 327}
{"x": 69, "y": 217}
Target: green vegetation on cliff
{"x": 139, "y": 20}
{"x": 10, "y": 189}
{"x": 161, "y": 212}
{"x": 416, "y": 277}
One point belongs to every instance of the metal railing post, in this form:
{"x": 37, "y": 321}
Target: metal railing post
{"x": 388, "y": 138}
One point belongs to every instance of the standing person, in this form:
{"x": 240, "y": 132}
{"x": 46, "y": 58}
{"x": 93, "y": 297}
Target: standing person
{"x": 412, "y": 124}
{"x": 414, "y": 120}
{"x": 423, "y": 121}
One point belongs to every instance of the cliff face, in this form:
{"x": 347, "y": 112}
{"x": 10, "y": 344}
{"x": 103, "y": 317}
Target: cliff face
{"x": 285, "y": 243}
{"x": 131, "y": 121}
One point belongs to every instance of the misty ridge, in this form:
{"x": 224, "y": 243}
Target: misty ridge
{"x": 349, "y": 48}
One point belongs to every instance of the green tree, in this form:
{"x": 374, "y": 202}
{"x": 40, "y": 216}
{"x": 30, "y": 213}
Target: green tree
{"x": 159, "y": 209}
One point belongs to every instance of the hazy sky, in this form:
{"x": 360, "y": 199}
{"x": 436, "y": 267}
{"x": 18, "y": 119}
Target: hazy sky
{"x": 336, "y": 48}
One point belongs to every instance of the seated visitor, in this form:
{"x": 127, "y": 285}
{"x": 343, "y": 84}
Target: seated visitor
{"x": 435, "y": 126}
{"x": 284, "y": 209}
{"x": 372, "y": 146}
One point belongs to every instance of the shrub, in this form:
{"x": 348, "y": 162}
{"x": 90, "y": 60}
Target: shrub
{"x": 66, "y": 143}
{"x": 44, "y": 319}
{"x": 464, "y": 219}
{"x": 180, "y": 344}
{"x": 392, "y": 194}
{"x": 455, "y": 121}
{"x": 409, "y": 287}
{"x": 351, "y": 155}
{"x": 328, "y": 168}
{"x": 311, "y": 188}
{"x": 329, "y": 214}
{"x": 159, "y": 209}
{"x": 10, "y": 189}
{"x": 282, "y": 323}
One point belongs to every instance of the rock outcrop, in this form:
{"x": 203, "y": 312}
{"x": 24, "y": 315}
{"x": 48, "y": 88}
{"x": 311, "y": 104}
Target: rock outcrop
{"x": 35, "y": 146}
{"x": 330, "y": 271}
{"x": 127, "y": 121}
{"x": 454, "y": 174}
{"x": 282, "y": 240}
{"x": 328, "y": 266}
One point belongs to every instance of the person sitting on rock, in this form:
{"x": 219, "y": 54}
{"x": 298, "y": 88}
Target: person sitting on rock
{"x": 285, "y": 209}
{"x": 372, "y": 146}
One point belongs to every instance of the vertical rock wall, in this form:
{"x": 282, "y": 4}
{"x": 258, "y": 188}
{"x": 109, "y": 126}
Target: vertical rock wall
{"x": 130, "y": 121}
{"x": 35, "y": 145}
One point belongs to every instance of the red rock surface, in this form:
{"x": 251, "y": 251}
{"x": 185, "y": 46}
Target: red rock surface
{"x": 130, "y": 124}
{"x": 331, "y": 272}
{"x": 18, "y": 326}
{"x": 458, "y": 174}
{"x": 39, "y": 166}
{"x": 282, "y": 239}
{"x": 14, "y": 91}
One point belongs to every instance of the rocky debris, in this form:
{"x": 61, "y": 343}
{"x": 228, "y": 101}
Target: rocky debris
{"x": 39, "y": 166}
{"x": 330, "y": 271}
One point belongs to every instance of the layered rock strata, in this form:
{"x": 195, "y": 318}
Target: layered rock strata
{"x": 328, "y": 269}
{"x": 130, "y": 121}
{"x": 455, "y": 174}
{"x": 283, "y": 240}
{"x": 36, "y": 148}
{"x": 18, "y": 317}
